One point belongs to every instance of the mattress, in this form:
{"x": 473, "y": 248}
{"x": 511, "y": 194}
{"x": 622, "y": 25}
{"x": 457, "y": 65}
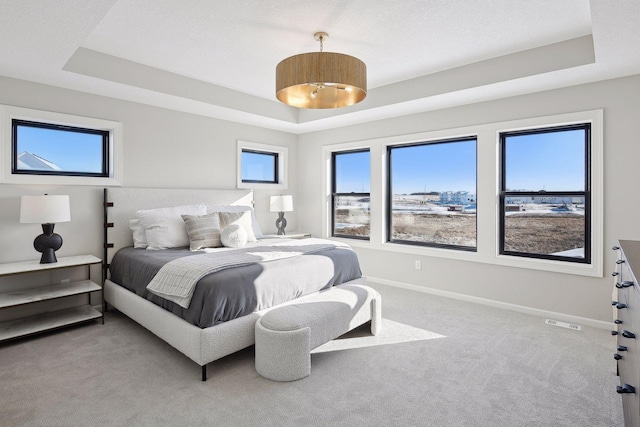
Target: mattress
{"x": 237, "y": 291}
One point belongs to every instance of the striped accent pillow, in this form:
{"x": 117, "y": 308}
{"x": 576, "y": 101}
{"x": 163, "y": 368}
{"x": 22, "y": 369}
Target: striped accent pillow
{"x": 203, "y": 230}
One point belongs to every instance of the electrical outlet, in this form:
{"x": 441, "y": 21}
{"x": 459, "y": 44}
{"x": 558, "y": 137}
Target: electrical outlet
{"x": 63, "y": 281}
{"x": 418, "y": 265}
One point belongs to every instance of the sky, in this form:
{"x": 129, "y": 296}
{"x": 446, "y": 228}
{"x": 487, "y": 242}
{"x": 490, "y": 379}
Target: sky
{"x": 71, "y": 151}
{"x": 258, "y": 167}
{"x": 547, "y": 161}
{"x": 353, "y": 172}
{"x": 439, "y": 167}
{"x": 433, "y": 167}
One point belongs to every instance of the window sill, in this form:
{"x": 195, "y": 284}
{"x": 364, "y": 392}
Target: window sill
{"x": 60, "y": 180}
{"x": 261, "y": 186}
{"x": 502, "y": 260}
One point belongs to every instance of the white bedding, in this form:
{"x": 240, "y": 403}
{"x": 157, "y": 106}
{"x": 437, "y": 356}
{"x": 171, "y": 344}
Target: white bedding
{"x": 177, "y": 279}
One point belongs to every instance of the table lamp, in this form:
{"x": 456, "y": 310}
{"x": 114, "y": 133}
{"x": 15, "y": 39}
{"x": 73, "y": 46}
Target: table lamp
{"x": 45, "y": 210}
{"x": 281, "y": 204}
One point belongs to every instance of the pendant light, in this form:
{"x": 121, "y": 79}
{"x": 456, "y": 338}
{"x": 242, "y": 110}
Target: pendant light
{"x": 321, "y": 79}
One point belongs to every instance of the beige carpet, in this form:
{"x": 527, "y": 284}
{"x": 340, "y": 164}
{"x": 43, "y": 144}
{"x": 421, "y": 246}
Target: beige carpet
{"x": 438, "y": 362}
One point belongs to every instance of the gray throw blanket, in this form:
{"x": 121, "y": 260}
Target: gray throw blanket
{"x": 177, "y": 279}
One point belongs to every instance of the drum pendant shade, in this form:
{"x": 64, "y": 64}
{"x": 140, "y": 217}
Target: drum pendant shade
{"x": 321, "y": 79}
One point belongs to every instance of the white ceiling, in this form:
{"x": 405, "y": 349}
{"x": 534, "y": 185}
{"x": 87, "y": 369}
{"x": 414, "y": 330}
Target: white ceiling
{"x": 218, "y": 57}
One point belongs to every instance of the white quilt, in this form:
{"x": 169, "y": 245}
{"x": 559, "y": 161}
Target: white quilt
{"x": 177, "y": 279}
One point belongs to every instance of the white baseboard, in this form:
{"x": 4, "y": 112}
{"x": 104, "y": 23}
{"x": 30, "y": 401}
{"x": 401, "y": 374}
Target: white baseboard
{"x": 503, "y": 305}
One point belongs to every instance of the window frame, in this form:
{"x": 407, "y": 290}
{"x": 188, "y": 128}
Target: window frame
{"x": 586, "y": 193}
{"x": 487, "y": 195}
{"x": 15, "y": 123}
{"x": 335, "y": 194}
{"x": 389, "y": 194}
{"x": 275, "y": 167}
{"x": 282, "y": 165}
{"x": 113, "y": 146}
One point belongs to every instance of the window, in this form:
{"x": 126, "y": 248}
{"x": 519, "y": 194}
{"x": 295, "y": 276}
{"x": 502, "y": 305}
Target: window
{"x": 432, "y": 194}
{"x": 43, "y": 147}
{"x": 51, "y": 149}
{"x": 351, "y": 194}
{"x": 551, "y": 163}
{"x": 545, "y": 200}
{"x": 259, "y": 167}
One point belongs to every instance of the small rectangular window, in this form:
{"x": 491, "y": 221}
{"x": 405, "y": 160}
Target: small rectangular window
{"x": 545, "y": 208}
{"x": 52, "y": 149}
{"x": 432, "y": 194}
{"x": 259, "y": 167}
{"x": 351, "y": 198}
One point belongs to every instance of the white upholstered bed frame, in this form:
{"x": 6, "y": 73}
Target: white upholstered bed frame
{"x": 200, "y": 345}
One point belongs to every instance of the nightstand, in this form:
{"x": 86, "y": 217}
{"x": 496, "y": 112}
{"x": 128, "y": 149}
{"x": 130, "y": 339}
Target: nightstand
{"x": 291, "y": 235}
{"x": 47, "y": 292}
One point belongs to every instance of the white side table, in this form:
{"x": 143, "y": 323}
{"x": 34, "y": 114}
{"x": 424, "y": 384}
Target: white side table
{"x": 45, "y": 292}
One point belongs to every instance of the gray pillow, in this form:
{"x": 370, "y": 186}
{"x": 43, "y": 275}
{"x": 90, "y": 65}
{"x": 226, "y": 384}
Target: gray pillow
{"x": 203, "y": 231}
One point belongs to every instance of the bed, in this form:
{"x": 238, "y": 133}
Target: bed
{"x": 206, "y": 337}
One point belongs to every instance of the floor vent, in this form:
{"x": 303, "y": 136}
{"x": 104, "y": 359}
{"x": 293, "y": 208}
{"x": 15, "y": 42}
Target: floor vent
{"x": 563, "y": 324}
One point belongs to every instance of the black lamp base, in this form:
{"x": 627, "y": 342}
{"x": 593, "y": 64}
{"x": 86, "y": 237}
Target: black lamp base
{"x": 281, "y": 223}
{"x": 48, "y": 243}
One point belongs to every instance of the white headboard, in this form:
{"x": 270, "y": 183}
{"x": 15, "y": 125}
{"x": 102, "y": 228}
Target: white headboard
{"x": 121, "y": 204}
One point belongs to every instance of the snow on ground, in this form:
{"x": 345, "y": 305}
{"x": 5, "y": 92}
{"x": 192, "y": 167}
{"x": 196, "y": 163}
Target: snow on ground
{"x": 576, "y": 253}
{"x": 536, "y": 208}
{"x": 343, "y": 225}
{"x": 419, "y": 204}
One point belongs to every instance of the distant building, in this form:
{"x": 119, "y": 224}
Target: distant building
{"x": 457, "y": 198}
{"x": 30, "y": 161}
{"x": 519, "y": 200}
{"x": 555, "y": 200}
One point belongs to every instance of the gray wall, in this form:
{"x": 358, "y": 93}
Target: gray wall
{"x": 577, "y": 296}
{"x": 162, "y": 148}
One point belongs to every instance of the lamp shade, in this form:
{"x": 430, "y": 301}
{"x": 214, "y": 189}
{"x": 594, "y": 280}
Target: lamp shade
{"x": 44, "y": 209}
{"x": 321, "y": 79}
{"x": 281, "y": 203}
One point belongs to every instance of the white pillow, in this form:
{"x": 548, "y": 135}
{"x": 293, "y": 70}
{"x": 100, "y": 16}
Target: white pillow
{"x": 165, "y": 228}
{"x": 257, "y": 232}
{"x": 233, "y": 236}
{"x": 139, "y": 235}
{"x": 243, "y": 219}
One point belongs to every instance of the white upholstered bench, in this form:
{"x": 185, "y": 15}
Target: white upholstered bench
{"x": 286, "y": 335}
